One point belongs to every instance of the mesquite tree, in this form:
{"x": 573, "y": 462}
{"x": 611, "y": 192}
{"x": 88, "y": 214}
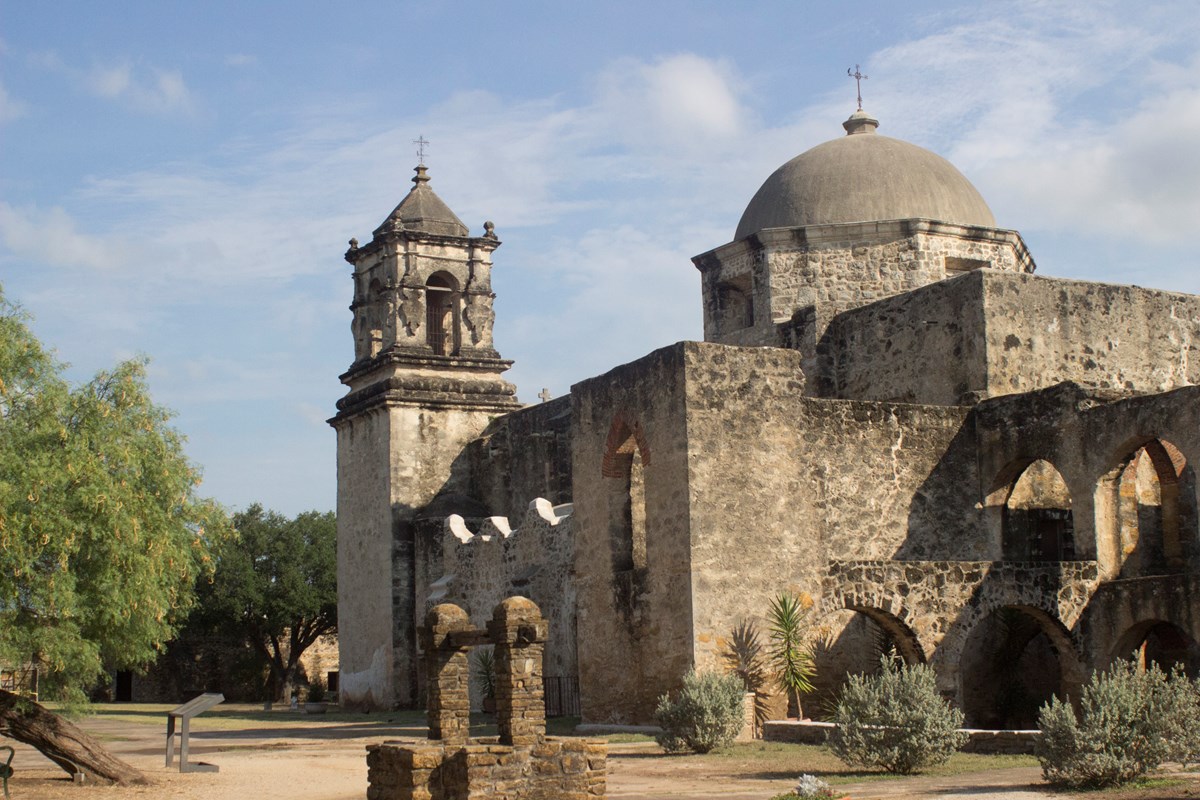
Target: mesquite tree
{"x": 102, "y": 537}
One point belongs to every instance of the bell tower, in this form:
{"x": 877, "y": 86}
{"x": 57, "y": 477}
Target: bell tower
{"x": 426, "y": 379}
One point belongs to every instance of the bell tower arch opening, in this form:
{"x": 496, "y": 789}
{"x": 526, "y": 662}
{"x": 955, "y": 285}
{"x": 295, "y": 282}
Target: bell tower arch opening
{"x": 442, "y": 314}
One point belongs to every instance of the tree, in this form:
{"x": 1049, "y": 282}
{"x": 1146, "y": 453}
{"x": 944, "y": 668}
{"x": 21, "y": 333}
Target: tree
{"x": 275, "y": 586}
{"x": 102, "y": 536}
{"x": 790, "y": 654}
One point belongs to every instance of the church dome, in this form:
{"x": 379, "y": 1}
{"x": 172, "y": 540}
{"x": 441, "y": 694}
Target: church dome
{"x": 864, "y": 177}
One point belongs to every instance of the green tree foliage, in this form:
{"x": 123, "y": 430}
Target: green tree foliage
{"x": 896, "y": 720}
{"x": 102, "y": 536}
{"x": 275, "y": 587}
{"x": 1130, "y": 721}
{"x": 790, "y": 654}
{"x": 707, "y": 712}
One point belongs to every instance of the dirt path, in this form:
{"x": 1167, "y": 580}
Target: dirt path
{"x": 328, "y": 762}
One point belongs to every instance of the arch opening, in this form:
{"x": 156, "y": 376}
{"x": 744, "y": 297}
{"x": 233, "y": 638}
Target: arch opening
{"x": 442, "y": 314}
{"x": 1037, "y": 523}
{"x": 1146, "y": 511}
{"x": 851, "y": 641}
{"x": 1014, "y": 661}
{"x": 1161, "y": 643}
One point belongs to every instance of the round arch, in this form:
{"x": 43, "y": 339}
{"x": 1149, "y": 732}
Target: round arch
{"x": 1157, "y": 641}
{"x": 1012, "y": 661}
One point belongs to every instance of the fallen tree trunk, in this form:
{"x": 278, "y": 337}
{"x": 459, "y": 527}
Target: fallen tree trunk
{"x": 61, "y": 741}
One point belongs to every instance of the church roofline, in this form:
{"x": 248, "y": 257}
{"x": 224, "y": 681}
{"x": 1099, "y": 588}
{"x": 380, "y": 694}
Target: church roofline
{"x": 858, "y": 231}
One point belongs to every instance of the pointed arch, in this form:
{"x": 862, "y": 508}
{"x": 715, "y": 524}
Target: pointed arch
{"x": 1036, "y": 519}
{"x": 626, "y": 457}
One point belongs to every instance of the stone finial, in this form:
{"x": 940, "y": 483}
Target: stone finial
{"x": 354, "y": 244}
{"x": 422, "y": 175}
{"x": 489, "y": 229}
{"x": 860, "y": 122}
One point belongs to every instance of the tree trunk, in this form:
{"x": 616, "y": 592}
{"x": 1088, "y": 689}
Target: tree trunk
{"x": 61, "y": 742}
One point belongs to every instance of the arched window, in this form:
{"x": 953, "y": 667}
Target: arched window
{"x": 441, "y": 315}
{"x": 1037, "y": 522}
{"x": 624, "y": 465}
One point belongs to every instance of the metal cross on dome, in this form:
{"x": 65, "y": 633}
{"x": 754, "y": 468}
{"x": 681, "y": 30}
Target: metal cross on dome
{"x": 858, "y": 79}
{"x": 420, "y": 142}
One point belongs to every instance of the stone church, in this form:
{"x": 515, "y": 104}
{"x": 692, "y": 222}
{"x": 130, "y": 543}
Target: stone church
{"x": 891, "y": 415}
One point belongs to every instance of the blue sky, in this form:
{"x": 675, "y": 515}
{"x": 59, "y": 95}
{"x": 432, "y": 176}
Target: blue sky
{"x": 179, "y": 180}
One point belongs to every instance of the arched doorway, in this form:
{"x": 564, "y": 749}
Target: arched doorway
{"x": 1037, "y": 522}
{"x": 1012, "y": 663}
{"x": 851, "y": 641}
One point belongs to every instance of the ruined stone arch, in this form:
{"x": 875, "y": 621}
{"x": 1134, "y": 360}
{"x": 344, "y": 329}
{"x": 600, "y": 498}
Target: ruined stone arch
{"x": 1145, "y": 510}
{"x": 849, "y": 635}
{"x": 1003, "y": 655}
{"x": 1030, "y": 504}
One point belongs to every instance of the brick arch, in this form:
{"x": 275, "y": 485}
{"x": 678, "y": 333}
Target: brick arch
{"x": 624, "y": 436}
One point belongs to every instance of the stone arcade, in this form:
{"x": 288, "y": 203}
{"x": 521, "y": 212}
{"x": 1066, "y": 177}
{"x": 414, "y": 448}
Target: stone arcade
{"x": 986, "y": 470}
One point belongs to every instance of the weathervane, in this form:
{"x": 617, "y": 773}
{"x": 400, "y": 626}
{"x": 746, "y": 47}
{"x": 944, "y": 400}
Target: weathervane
{"x": 858, "y": 79}
{"x": 421, "y": 141}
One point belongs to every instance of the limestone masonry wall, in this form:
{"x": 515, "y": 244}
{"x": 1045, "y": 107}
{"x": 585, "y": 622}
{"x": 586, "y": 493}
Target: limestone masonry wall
{"x": 521, "y": 455}
{"x": 632, "y": 499}
{"x": 781, "y": 484}
{"x": 1041, "y": 331}
{"x": 924, "y": 346}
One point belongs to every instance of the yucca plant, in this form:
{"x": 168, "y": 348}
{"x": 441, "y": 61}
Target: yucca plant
{"x": 790, "y": 654}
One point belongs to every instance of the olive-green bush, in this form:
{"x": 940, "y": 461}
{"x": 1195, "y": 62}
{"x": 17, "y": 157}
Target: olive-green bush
{"x": 707, "y": 712}
{"x": 1130, "y": 721}
{"x": 895, "y": 719}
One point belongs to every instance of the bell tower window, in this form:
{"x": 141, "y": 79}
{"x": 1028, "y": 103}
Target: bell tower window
{"x": 441, "y": 315}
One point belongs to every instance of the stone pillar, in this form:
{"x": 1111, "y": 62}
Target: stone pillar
{"x": 519, "y": 633}
{"x": 448, "y": 673}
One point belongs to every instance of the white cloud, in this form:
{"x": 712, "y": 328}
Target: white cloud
{"x": 240, "y": 60}
{"x": 672, "y": 102}
{"x": 10, "y": 107}
{"x": 144, "y": 88}
{"x": 50, "y": 237}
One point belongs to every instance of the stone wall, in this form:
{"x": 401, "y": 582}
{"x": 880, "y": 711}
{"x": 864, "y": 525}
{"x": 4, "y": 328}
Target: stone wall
{"x": 828, "y": 269}
{"x": 924, "y": 346}
{"x": 635, "y": 604}
{"x": 521, "y": 455}
{"x": 495, "y": 561}
{"x": 1041, "y": 331}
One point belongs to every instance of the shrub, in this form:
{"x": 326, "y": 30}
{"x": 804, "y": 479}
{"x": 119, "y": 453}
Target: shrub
{"x": 707, "y": 712}
{"x": 895, "y": 720}
{"x": 1130, "y": 721}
